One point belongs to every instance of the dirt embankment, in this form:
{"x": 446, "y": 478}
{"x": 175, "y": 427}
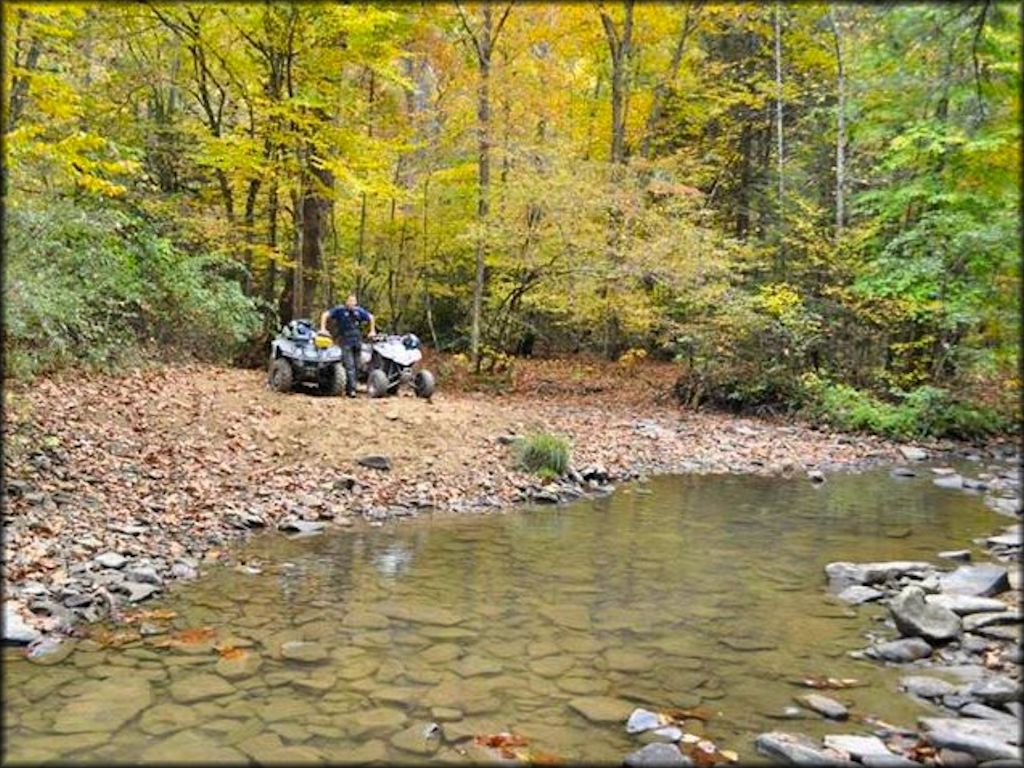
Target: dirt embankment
{"x": 164, "y": 466}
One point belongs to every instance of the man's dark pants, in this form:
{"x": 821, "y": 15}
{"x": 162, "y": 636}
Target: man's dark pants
{"x": 349, "y": 354}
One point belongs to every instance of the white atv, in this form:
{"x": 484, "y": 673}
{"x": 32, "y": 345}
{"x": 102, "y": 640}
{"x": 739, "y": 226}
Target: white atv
{"x": 388, "y": 361}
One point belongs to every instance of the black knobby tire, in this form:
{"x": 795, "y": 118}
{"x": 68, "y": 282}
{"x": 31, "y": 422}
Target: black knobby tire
{"x": 281, "y": 375}
{"x": 377, "y": 383}
{"x": 332, "y": 380}
{"x": 423, "y": 384}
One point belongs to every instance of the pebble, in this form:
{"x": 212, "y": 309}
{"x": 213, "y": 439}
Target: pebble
{"x": 825, "y": 706}
{"x": 111, "y": 560}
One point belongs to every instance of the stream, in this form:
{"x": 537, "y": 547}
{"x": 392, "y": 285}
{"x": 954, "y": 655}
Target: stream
{"x": 696, "y": 592}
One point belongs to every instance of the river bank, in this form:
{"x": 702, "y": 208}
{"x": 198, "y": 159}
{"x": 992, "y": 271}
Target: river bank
{"x": 116, "y": 487}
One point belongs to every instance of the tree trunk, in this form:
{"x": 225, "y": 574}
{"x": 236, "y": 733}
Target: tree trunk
{"x": 837, "y": 36}
{"x": 316, "y": 211}
{"x": 778, "y": 134}
{"x": 620, "y": 48}
{"x": 272, "y": 208}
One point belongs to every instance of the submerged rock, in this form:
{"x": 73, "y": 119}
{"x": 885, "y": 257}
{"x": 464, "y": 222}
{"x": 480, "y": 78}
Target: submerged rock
{"x": 825, "y": 706}
{"x": 16, "y": 629}
{"x": 601, "y": 709}
{"x": 656, "y": 755}
{"x": 916, "y": 618}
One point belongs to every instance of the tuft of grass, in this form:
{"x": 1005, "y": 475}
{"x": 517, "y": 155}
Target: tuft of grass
{"x": 542, "y": 453}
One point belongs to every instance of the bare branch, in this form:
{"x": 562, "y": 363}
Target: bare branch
{"x": 469, "y": 31}
{"x": 501, "y": 23}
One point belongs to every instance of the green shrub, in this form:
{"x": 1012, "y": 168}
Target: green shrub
{"x": 543, "y": 453}
{"x": 926, "y": 411}
{"x": 99, "y": 286}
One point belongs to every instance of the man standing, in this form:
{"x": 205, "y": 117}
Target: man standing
{"x": 347, "y": 318}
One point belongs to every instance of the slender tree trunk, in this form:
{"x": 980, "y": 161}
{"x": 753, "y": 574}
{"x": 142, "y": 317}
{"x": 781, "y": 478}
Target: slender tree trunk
{"x": 250, "y": 226}
{"x": 837, "y": 36}
{"x": 272, "y": 208}
{"x": 779, "y": 135}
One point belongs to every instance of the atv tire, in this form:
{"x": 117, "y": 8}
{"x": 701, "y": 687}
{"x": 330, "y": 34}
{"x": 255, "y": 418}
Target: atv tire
{"x": 423, "y": 384}
{"x": 377, "y": 383}
{"x": 281, "y": 376}
{"x": 332, "y": 380}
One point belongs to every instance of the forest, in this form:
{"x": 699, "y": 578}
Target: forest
{"x": 807, "y": 208}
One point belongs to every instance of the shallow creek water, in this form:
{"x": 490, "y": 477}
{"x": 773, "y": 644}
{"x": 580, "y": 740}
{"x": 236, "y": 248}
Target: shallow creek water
{"x": 683, "y": 592}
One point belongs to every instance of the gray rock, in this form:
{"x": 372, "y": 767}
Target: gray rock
{"x": 985, "y": 739}
{"x": 1009, "y": 539}
{"x": 858, "y": 746}
{"x": 1009, "y": 507}
{"x": 909, "y": 649}
{"x": 996, "y": 690}
{"x": 641, "y": 720}
{"x": 595, "y": 472}
{"x": 966, "y": 604}
{"x": 926, "y": 687}
{"x": 1000, "y": 632}
{"x": 111, "y": 560}
{"x": 857, "y": 594}
{"x": 183, "y": 571}
{"x": 974, "y": 484}
{"x": 983, "y": 580}
{"x": 139, "y": 592}
{"x": 794, "y": 749}
{"x": 902, "y": 472}
{"x": 949, "y": 481}
{"x": 144, "y": 575}
{"x": 976, "y": 709}
{"x": 915, "y": 618}
{"x": 667, "y": 733}
{"x": 979, "y": 620}
{"x": 816, "y": 476}
{"x": 656, "y": 755}
{"x": 913, "y": 453}
{"x": 843, "y": 574}
{"x": 382, "y": 463}
{"x": 16, "y": 630}
{"x": 951, "y": 758}
{"x": 825, "y": 706}
{"x": 962, "y": 555}
{"x": 302, "y": 527}
{"x": 889, "y": 761}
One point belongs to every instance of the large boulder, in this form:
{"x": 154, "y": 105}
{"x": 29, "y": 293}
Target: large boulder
{"x": 916, "y": 618}
{"x": 983, "y": 580}
{"x": 844, "y": 574}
